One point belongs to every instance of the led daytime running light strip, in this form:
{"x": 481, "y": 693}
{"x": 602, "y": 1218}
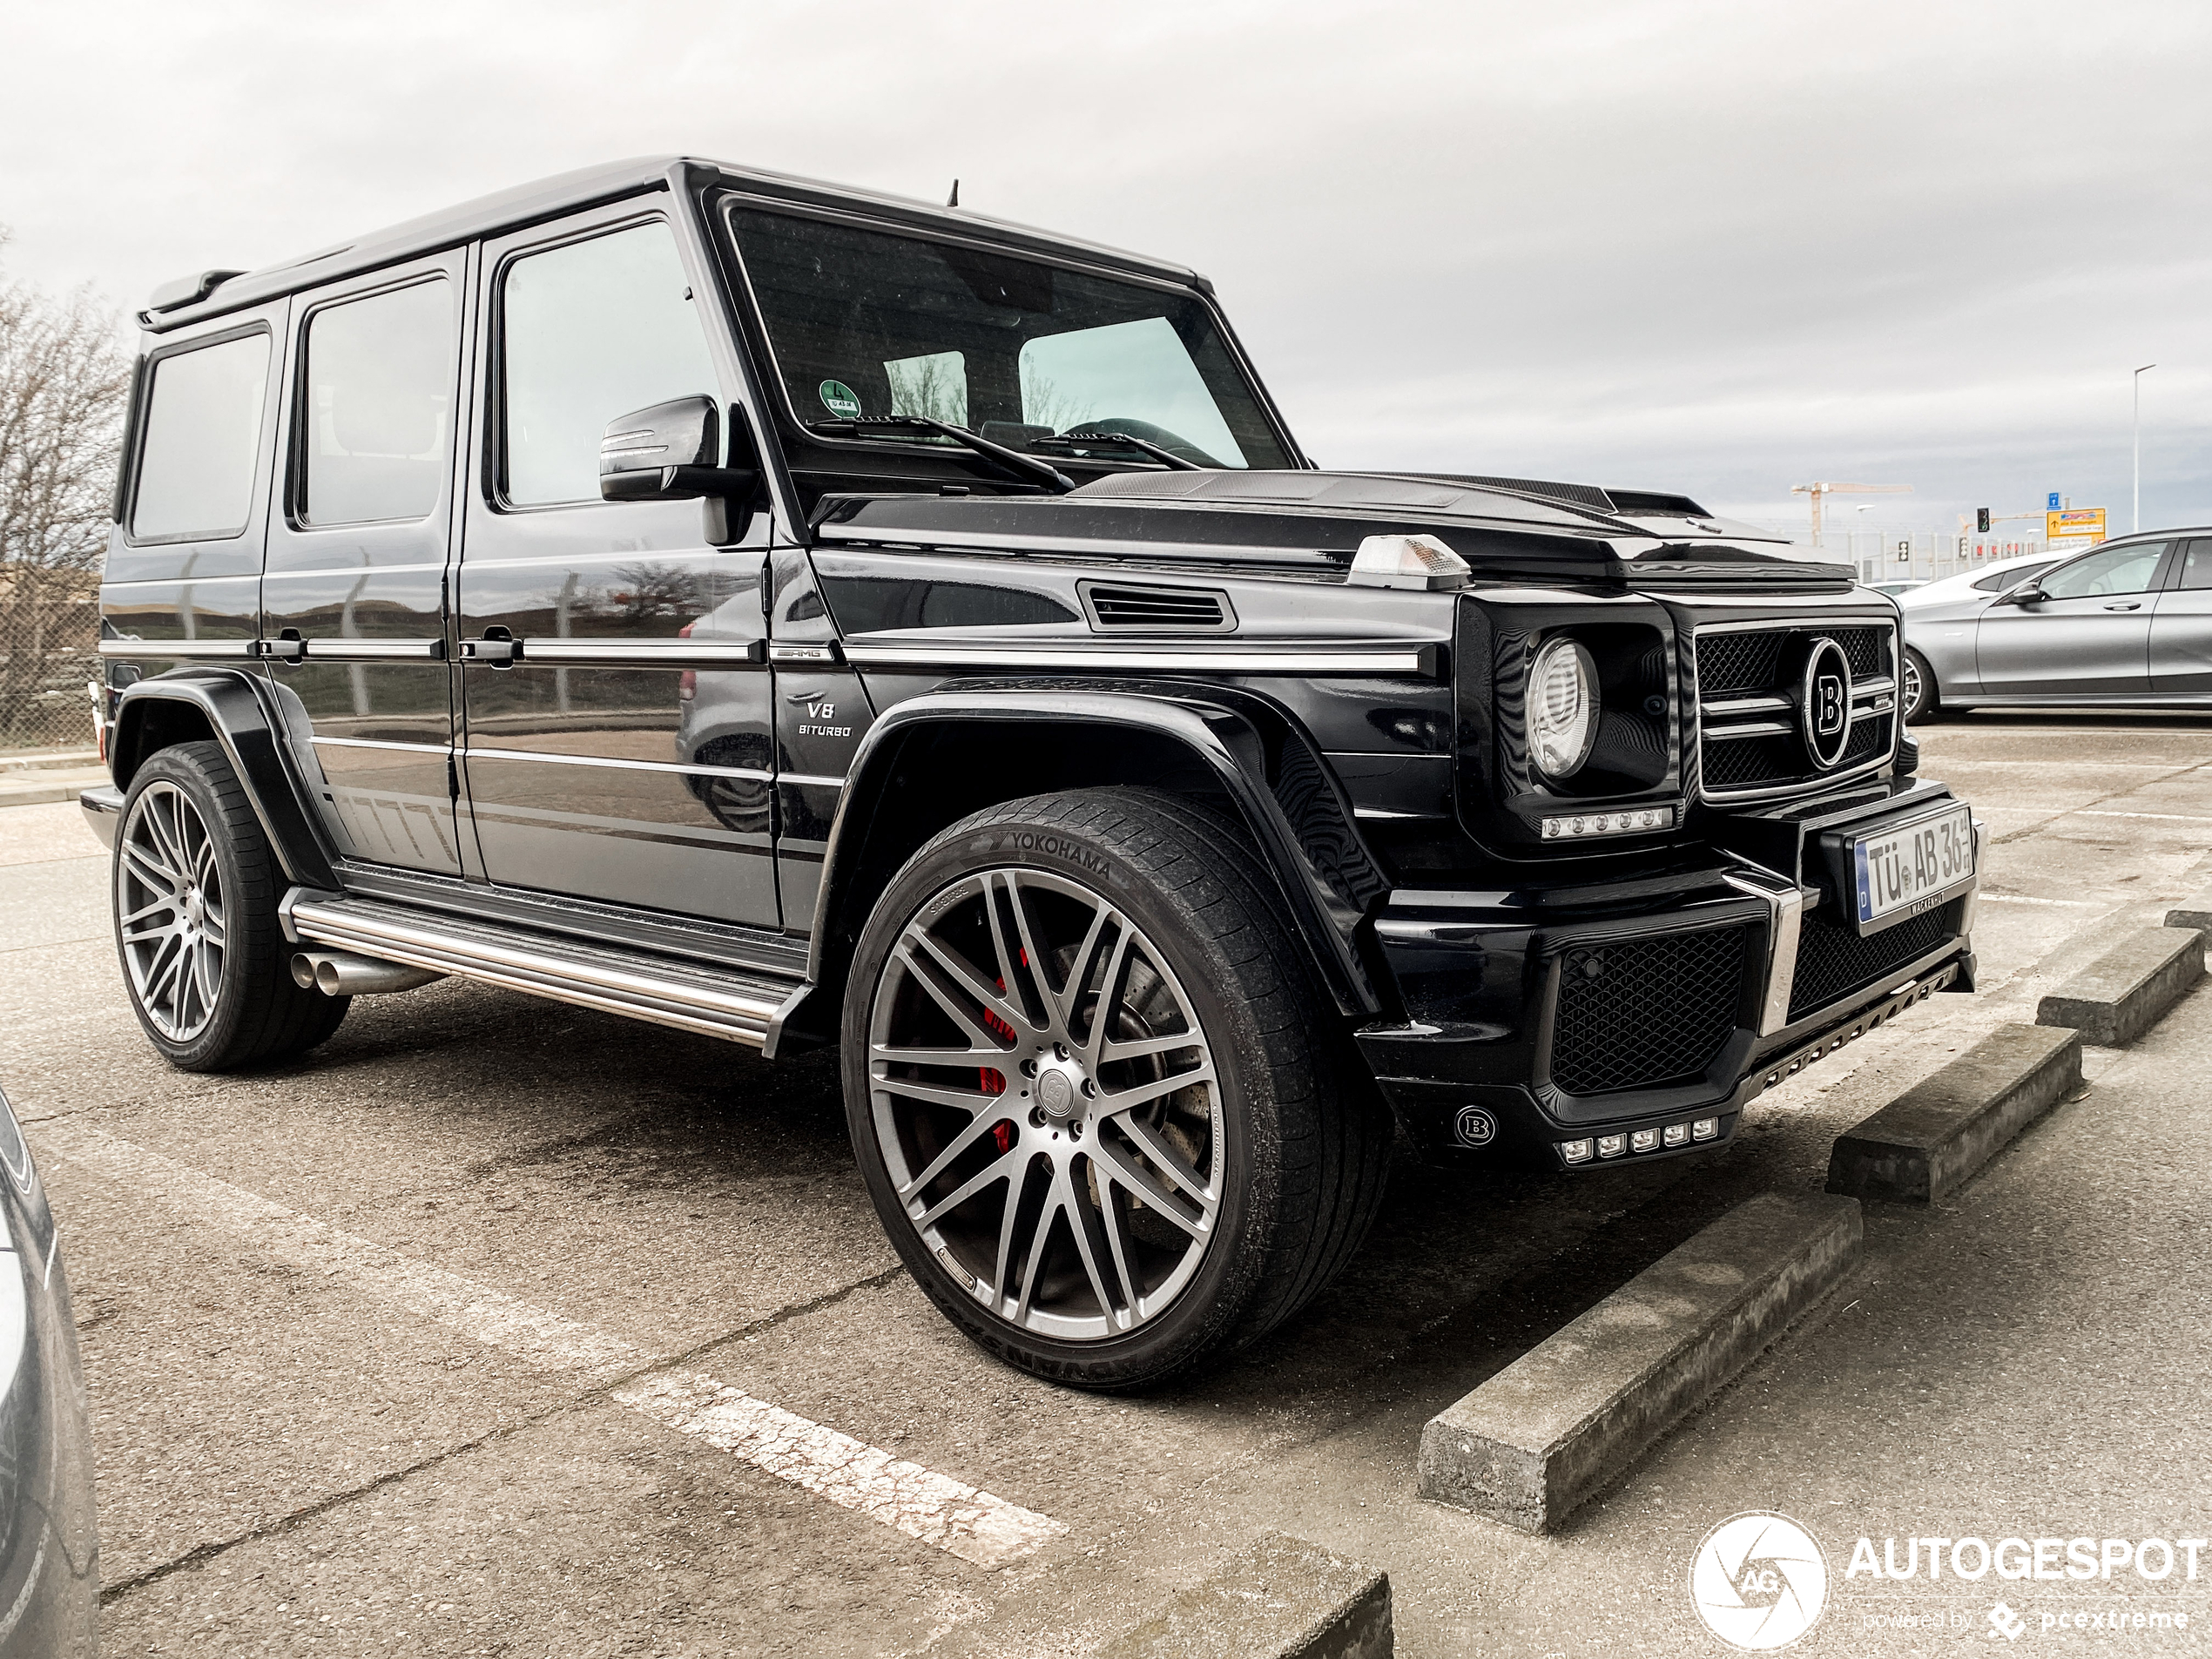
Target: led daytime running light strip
{"x": 1642, "y": 820}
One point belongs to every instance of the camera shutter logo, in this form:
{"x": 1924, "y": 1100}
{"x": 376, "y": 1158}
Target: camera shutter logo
{"x": 1823, "y": 708}
{"x": 1759, "y": 1581}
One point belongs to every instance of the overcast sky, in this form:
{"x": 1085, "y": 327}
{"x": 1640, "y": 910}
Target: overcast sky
{"x": 1715, "y": 247}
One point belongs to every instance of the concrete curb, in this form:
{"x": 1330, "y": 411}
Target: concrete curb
{"x": 1929, "y": 1139}
{"x": 1277, "y": 1598}
{"x": 2192, "y": 912}
{"x": 1553, "y": 1427}
{"x": 33, "y": 788}
{"x": 2121, "y": 995}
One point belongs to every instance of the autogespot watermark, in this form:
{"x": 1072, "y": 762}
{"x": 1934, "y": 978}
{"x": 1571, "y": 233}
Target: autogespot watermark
{"x": 1760, "y": 1581}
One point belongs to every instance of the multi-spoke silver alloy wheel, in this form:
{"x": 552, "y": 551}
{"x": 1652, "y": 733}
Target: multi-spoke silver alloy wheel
{"x": 170, "y": 911}
{"x": 1911, "y": 687}
{"x": 1046, "y": 1103}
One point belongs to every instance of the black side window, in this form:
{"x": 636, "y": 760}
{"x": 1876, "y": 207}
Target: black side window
{"x": 203, "y": 430}
{"x": 2196, "y": 563}
{"x": 379, "y": 396}
{"x": 2006, "y": 581}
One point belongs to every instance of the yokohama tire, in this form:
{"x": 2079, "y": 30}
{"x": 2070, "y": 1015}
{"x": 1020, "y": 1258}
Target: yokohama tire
{"x": 1287, "y": 1141}
{"x": 195, "y": 886}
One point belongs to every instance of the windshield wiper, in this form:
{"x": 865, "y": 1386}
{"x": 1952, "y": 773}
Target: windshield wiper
{"x": 1129, "y": 440}
{"x": 1024, "y": 468}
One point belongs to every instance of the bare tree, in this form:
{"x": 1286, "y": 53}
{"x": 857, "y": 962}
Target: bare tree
{"x": 64, "y": 378}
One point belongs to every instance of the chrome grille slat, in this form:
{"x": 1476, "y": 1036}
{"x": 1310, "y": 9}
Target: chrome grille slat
{"x": 1746, "y": 755}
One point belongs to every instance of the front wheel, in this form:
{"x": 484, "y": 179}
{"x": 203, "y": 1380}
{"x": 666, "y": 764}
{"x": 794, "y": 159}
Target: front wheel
{"x": 203, "y": 955}
{"x": 1093, "y": 1092}
{"x": 1917, "y": 690}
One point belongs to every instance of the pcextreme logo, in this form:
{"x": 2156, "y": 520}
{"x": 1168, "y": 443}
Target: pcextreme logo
{"x": 1759, "y": 1581}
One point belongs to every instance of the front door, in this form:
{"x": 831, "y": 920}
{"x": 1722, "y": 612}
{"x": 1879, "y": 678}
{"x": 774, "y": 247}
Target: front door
{"x": 614, "y": 678}
{"x": 2089, "y": 636}
{"x": 353, "y": 599}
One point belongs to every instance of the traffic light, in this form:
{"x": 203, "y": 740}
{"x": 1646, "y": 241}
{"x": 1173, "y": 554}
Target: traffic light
{"x": 1981, "y": 520}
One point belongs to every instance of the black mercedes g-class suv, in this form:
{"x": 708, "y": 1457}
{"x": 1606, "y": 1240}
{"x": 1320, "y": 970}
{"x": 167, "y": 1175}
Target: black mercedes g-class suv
{"x": 806, "y": 616}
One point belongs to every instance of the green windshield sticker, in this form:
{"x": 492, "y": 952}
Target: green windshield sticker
{"x": 840, "y": 400}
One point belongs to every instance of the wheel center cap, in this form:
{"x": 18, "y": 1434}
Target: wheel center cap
{"x": 195, "y": 909}
{"x": 1056, "y": 1094}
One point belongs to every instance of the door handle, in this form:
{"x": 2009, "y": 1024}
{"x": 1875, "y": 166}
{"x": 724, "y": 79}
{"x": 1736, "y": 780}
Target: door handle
{"x": 2137, "y": 605}
{"x": 495, "y": 648}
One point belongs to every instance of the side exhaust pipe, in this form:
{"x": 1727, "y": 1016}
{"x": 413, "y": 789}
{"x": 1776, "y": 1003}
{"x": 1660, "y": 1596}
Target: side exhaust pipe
{"x": 339, "y": 973}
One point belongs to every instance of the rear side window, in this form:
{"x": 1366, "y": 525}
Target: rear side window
{"x": 593, "y": 331}
{"x": 203, "y": 430}
{"x": 2196, "y": 563}
{"x": 380, "y": 376}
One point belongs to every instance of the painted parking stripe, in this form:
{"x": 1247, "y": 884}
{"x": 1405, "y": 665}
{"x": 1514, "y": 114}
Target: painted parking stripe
{"x": 975, "y": 1526}
{"x": 2022, "y": 898}
{"x": 920, "y": 1502}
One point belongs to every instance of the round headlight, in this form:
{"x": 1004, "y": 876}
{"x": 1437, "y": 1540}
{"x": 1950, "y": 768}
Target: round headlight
{"x": 1563, "y": 709}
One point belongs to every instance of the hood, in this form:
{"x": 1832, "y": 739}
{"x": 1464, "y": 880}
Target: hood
{"x": 1313, "y": 522}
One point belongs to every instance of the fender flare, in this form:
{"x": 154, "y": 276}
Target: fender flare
{"x": 240, "y": 711}
{"x": 1300, "y": 817}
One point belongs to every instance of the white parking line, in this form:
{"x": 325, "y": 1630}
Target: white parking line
{"x": 2022, "y": 898}
{"x": 973, "y": 1524}
{"x": 2170, "y": 818}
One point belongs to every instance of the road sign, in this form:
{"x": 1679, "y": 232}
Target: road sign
{"x": 2052, "y": 501}
{"x": 2076, "y": 527}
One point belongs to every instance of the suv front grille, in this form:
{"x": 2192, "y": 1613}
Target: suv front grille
{"x": 1749, "y": 739}
{"x": 1646, "y": 1012}
{"x": 1833, "y": 961}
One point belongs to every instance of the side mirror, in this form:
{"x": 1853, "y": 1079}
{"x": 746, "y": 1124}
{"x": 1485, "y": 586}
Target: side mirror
{"x": 2027, "y": 593}
{"x": 672, "y": 452}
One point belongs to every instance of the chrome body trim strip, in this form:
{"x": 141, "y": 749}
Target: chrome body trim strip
{"x": 819, "y": 778}
{"x": 375, "y": 651}
{"x": 382, "y": 743}
{"x": 1401, "y": 662}
{"x": 474, "y": 753}
{"x": 182, "y": 649}
{"x": 677, "y": 653}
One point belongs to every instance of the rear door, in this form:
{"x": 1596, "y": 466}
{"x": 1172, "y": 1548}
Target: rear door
{"x": 2089, "y": 635}
{"x": 2181, "y": 625}
{"x": 353, "y": 598}
{"x": 613, "y": 654}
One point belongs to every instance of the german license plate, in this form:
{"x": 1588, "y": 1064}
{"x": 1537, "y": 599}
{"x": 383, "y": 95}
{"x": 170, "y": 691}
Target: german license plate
{"x": 1912, "y": 867}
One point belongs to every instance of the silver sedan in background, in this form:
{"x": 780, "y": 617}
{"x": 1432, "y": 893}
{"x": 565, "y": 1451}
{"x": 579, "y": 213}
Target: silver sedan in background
{"x": 2127, "y": 623}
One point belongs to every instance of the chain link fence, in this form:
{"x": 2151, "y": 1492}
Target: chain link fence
{"x": 49, "y": 628}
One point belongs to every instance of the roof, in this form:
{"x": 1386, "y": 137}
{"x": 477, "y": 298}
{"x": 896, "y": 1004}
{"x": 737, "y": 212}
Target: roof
{"x": 214, "y": 293}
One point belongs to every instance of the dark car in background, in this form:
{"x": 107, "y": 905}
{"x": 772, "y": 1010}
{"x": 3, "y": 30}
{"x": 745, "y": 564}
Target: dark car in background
{"x": 49, "y": 1577}
{"x": 809, "y": 618}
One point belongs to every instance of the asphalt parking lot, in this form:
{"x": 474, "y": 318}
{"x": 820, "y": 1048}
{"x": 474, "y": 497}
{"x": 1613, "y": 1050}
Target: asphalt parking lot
{"x": 436, "y": 1342}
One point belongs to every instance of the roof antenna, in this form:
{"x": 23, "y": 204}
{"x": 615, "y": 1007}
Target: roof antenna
{"x": 953, "y": 200}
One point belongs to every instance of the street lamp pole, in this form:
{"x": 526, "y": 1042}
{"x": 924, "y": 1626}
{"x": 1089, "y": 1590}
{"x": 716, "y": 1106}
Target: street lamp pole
{"x": 2136, "y": 515}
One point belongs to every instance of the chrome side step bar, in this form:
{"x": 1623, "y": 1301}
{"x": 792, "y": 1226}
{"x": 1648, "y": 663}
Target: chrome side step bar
{"x": 714, "y": 1002}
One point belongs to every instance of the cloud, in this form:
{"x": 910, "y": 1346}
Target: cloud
{"x": 1720, "y": 247}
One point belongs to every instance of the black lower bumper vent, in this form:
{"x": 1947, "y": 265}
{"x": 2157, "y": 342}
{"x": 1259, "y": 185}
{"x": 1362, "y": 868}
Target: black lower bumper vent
{"x": 1833, "y": 961}
{"x": 1646, "y": 1012}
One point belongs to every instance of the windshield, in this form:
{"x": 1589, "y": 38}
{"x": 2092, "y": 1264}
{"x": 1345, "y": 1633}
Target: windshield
{"x": 1019, "y": 352}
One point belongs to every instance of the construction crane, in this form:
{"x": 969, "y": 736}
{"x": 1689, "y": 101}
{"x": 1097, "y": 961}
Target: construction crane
{"x": 1820, "y": 492}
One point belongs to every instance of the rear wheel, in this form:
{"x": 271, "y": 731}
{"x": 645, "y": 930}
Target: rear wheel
{"x": 203, "y": 955}
{"x": 1097, "y": 1102}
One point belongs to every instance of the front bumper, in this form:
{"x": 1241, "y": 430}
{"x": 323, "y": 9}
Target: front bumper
{"x": 1634, "y": 1018}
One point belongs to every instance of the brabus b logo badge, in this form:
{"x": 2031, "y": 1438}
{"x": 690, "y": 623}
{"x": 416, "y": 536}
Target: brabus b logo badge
{"x": 1828, "y": 707}
{"x": 1823, "y": 703}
